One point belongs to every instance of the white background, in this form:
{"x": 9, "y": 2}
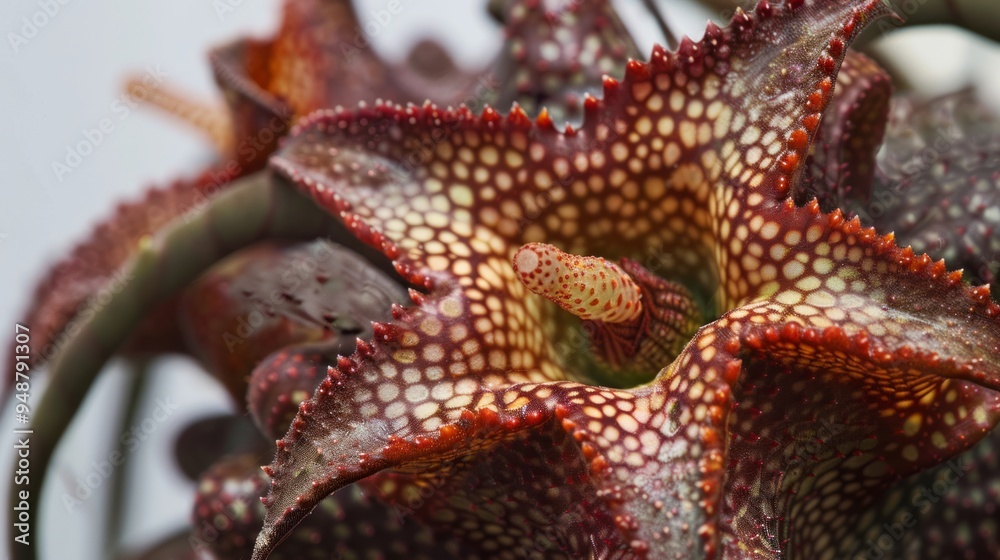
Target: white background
{"x": 66, "y": 78}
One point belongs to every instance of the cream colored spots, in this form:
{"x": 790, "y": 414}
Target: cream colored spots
{"x": 643, "y": 126}
{"x": 450, "y": 307}
{"x": 793, "y": 270}
{"x": 912, "y": 425}
{"x": 822, "y": 266}
{"x": 688, "y": 133}
{"x": 820, "y": 298}
{"x": 836, "y": 284}
{"x": 750, "y": 136}
{"x": 676, "y": 101}
{"x": 672, "y": 171}
{"x": 980, "y": 416}
{"x": 695, "y": 109}
{"x": 425, "y": 410}
{"x": 513, "y": 159}
{"x": 789, "y": 297}
{"x": 411, "y": 375}
{"x": 433, "y": 353}
{"x": 808, "y": 284}
{"x": 388, "y": 392}
{"x": 404, "y": 356}
{"x": 665, "y": 126}
{"x": 416, "y": 393}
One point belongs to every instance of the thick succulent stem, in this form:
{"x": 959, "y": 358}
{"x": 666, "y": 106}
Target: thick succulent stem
{"x": 137, "y": 383}
{"x": 257, "y": 208}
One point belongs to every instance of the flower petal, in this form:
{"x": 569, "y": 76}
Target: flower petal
{"x": 279, "y": 385}
{"x": 228, "y": 512}
{"x": 810, "y": 396}
{"x": 842, "y": 163}
{"x": 421, "y": 183}
{"x": 948, "y": 511}
{"x": 528, "y": 495}
{"x": 450, "y": 197}
{"x": 272, "y": 296}
{"x": 553, "y": 58}
{"x": 872, "y": 339}
{"x": 320, "y": 57}
{"x": 305, "y": 64}
{"x": 938, "y": 185}
{"x": 205, "y": 440}
{"x": 980, "y": 16}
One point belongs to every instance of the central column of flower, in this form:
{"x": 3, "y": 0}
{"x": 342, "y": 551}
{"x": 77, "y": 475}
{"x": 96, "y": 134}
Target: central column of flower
{"x": 589, "y": 287}
{"x": 637, "y": 322}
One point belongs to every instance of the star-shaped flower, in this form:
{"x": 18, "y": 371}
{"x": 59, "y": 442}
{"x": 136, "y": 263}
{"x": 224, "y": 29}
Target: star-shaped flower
{"x": 823, "y": 332}
{"x": 642, "y": 337}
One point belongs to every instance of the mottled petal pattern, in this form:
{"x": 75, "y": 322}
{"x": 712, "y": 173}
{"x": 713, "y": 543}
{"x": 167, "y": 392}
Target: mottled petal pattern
{"x": 659, "y": 332}
{"x": 349, "y": 526}
{"x": 938, "y": 183}
{"x": 273, "y": 296}
{"x": 948, "y": 511}
{"x": 841, "y": 166}
{"x": 556, "y": 53}
{"x": 980, "y": 16}
{"x": 452, "y": 197}
{"x": 321, "y": 56}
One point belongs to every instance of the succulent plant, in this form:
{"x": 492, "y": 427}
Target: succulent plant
{"x": 677, "y": 307}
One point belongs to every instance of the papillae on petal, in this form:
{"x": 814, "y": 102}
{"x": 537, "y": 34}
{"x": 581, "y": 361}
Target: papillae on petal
{"x": 731, "y": 118}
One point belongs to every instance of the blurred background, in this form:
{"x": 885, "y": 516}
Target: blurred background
{"x": 68, "y": 76}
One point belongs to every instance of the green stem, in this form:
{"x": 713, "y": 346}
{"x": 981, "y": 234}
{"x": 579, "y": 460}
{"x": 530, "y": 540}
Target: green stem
{"x": 137, "y": 382}
{"x": 252, "y": 209}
